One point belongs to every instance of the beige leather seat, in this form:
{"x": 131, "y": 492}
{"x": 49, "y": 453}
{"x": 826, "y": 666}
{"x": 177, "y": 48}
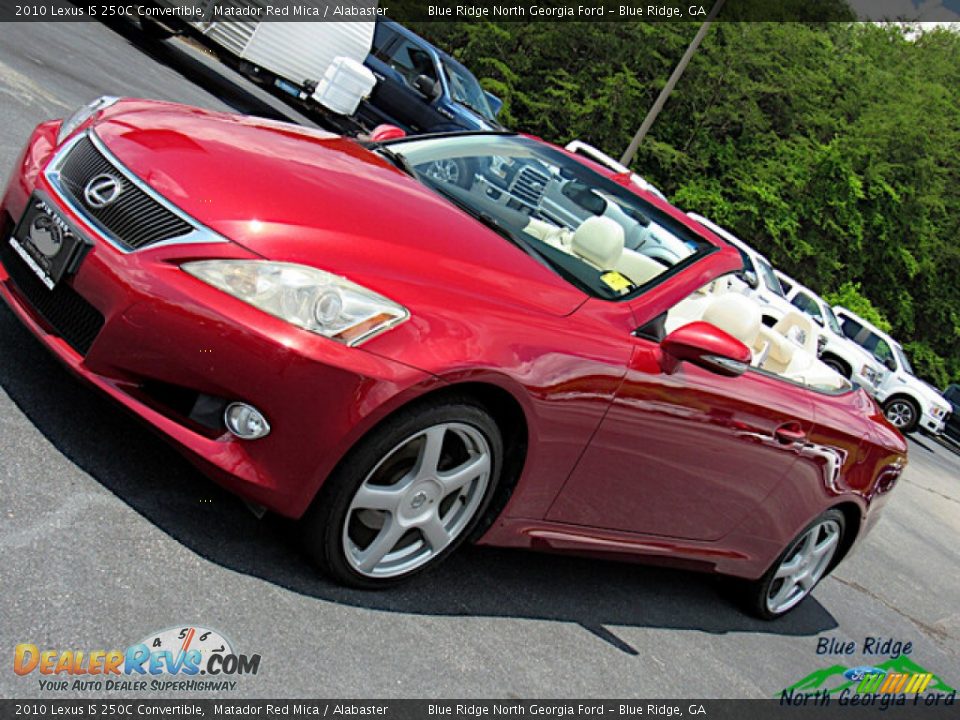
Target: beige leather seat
{"x": 773, "y": 352}
{"x": 798, "y": 326}
{"x": 780, "y": 351}
{"x": 638, "y": 267}
{"x": 599, "y": 241}
{"x": 736, "y": 315}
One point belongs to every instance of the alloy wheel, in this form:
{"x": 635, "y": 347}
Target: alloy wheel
{"x": 901, "y": 414}
{"x": 444, "y": 170}
{"x": 417, "y": 500}
{"x": 802, "y": 568}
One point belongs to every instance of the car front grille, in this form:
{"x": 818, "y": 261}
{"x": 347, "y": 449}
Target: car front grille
{"x": 64, "y": 310}
{"x": 135, "y": 220}
{"x": 529, "y": 185}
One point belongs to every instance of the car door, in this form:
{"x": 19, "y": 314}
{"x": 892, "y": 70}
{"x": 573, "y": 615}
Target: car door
{"x": 686, "y": 455}
{"x": 397, "y": 61}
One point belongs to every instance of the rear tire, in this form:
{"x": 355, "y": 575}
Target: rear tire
{"x": 407, "y": 495}
{"x": 796, "y": 572}
{"x": 903, "y": 413}
{"x": 837, "y": 366}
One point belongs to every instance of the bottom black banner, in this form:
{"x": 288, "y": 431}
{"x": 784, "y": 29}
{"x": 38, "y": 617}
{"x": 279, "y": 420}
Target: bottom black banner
{"x": 814, "y": 707}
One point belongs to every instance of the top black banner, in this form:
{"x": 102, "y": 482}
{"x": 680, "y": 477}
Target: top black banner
{"x": 202, "y": 12}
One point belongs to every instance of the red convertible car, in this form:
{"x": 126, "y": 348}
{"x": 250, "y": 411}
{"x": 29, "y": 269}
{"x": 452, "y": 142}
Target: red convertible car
{"x": 412, "y": 343}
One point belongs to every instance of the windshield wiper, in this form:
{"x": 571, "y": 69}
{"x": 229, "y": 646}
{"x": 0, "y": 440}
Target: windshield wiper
{"x": 478, "y": 111}
{"x": 396, "y": 159}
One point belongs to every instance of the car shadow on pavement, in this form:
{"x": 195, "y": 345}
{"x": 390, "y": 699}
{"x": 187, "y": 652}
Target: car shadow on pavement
{"x": 915, "y": 438}
{"x": 120, "y": 453}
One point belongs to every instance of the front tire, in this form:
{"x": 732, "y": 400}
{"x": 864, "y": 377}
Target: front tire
{"x": 794, "y": 575}
{"x": 407, "y": 496}
{"x": 455, "y": 171}
{"x": 903, "y": 414}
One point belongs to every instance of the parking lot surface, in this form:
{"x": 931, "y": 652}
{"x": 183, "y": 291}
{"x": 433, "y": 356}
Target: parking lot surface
{"x": 108, "y": 536}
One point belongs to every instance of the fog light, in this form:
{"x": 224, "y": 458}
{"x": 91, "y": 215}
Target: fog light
{"x": 245, "y": 421}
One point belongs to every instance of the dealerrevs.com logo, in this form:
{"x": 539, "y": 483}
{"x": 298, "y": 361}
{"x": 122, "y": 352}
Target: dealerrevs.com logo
{"x": 177, "y": 659}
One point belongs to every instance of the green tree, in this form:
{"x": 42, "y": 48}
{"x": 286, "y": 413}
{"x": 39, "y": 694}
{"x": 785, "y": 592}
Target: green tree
{"x": 832, "y": 147}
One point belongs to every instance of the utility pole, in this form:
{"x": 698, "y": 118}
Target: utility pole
{"x": 631, "y": 150}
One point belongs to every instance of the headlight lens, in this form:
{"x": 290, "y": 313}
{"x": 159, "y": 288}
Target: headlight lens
{"x": 84, "y": 114}
{"x": 309, "y": 298}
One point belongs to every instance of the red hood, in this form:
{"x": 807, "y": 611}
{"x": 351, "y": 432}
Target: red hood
{"x": 300, "y": 195}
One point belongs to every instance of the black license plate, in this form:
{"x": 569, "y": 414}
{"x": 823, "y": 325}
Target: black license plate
{"x": 47, "y": 242}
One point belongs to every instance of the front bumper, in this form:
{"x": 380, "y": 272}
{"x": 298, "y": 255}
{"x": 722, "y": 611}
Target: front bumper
{"x": 167, "y": 337}
{"x": 933, "y": 424}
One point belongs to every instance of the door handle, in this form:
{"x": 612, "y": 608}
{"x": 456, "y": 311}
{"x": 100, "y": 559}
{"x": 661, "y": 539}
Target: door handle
{"x": 790, "y": 432}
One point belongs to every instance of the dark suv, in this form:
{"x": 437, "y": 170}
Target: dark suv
{"x": 422, "y": 89}
{"x": 952, "y": 396}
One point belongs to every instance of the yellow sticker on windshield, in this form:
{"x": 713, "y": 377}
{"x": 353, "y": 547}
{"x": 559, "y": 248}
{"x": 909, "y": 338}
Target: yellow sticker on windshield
{"x": 616, "y": 281}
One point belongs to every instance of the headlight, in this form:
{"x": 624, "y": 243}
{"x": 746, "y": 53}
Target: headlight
{"x": 84, "y": 114}
{"x": 312, "y": 299}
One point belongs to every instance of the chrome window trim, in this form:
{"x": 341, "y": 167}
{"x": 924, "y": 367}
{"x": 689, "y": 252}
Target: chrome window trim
{"x": 199, "y": 234}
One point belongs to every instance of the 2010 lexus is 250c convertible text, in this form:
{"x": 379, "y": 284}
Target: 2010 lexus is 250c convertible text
{"x": 411, "y": 343}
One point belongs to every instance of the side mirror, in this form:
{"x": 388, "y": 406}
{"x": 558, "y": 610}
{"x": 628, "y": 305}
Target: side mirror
{"x": 706, "y": 346}
{"x": 428, "y": 87}
{"x": 890, "y": 364}
{"x": 386, "y": 132}
{"x": 821, "y": 344}
{"x": 495, "y": 103}
{"x": 750, "y": 278}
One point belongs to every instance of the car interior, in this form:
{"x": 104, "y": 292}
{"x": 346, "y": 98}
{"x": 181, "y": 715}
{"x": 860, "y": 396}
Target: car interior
{"x": 600, "y": 242}
{"x": 788, "y": 349}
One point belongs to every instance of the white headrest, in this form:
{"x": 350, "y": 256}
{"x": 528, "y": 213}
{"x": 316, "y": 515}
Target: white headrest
{"x": 735, "y": 314}
{"x": 599, "y": 241}
{"x": 798, "y": 327}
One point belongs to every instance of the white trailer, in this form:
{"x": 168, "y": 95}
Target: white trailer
{"x": 293, "y": 56}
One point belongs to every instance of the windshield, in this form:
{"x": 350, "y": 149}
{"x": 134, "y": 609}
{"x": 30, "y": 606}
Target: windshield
{"x": 595, "y": 233}
{"x": 832, "y": 320}
{"x": 902, "y": 358}
{"x": 769, "y": 277}
{"x": 465, "y": 89}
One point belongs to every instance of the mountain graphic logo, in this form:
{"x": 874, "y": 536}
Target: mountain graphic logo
{"x": 836, "y": 678}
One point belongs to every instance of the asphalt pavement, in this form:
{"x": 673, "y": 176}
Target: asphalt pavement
{"x": 107, "y": 535}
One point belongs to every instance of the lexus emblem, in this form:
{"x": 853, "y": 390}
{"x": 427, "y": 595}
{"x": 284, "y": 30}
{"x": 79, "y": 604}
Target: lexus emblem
{"x": 102, "y": 190}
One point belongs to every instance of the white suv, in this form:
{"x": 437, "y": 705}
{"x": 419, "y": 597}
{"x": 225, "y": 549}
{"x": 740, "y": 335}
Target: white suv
{"x": 757, "y": 280}
{"x": 835, "y": 349}
{"x": 907, "y": 401}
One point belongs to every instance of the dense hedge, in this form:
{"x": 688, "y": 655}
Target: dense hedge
{"x": 833, "y": 148}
